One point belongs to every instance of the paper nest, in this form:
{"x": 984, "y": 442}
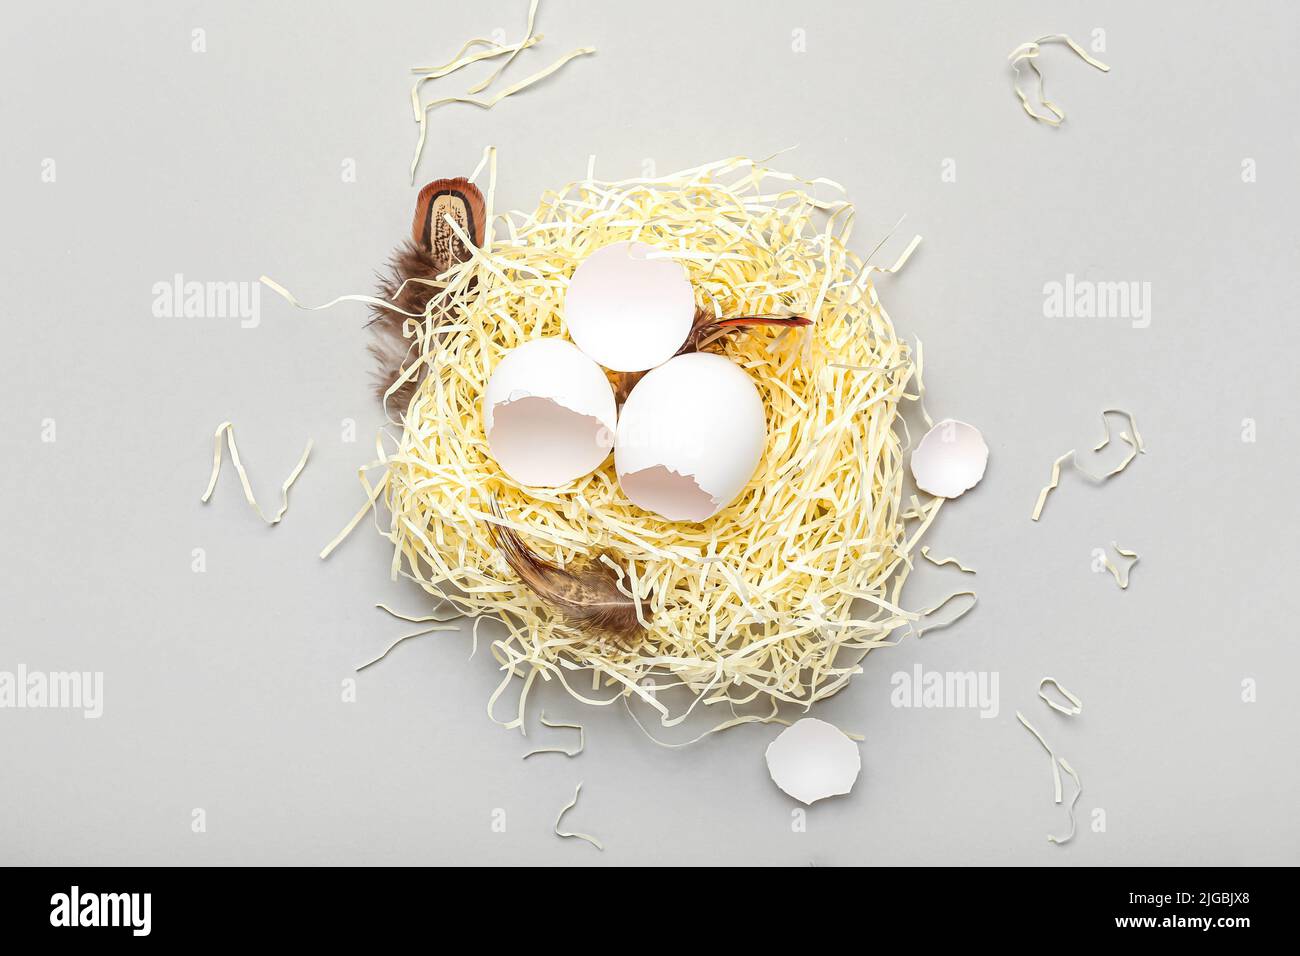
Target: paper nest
{"x": 778, "y": 597}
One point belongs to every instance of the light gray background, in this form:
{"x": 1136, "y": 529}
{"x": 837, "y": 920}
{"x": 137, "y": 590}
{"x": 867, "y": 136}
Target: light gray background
{"x": 223, "y": 688}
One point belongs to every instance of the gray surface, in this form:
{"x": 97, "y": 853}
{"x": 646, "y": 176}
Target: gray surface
{"x": 222, "y": 689}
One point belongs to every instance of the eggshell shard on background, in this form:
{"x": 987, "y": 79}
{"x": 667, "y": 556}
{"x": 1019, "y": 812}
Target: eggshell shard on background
{"x": 627, "y": 311}
{"x": 549, "y": 414}
{"x": 689, "y": 437}
{"x": 950, "y": 459}
{"x": 811, "y": 760}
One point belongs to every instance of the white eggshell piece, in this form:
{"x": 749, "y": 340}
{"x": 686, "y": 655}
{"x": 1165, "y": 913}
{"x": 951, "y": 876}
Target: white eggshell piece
{"x": 811, "y": 760}
{"x": 549, "y": 414}
{"x": 627, "y": 311}
{"x": 950, "y": 459}
{"x": 689, "y": 437}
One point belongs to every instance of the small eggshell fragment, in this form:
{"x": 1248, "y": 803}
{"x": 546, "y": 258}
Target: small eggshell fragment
{"x": 689, "y": 437}
{"x": 627, "y": 311}
{"x": 950, "y": 459}
{"x": 549, "y": 414}
{"x": 811, "y": 760}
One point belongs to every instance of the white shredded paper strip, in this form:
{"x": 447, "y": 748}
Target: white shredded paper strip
{"x": 1076, "y": 705}
{"x": 573, "y": 835}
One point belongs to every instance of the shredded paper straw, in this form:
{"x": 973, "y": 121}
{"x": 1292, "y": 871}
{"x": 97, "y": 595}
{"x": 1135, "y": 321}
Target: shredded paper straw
{"x": 776, "y": 599}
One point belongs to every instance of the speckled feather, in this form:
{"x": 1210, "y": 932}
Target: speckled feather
{"x": 585, "y": 594}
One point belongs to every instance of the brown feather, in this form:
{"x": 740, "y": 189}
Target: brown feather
{"x": 391, "y": 348}
{"x": 461, "y": 200}
{"x": 432, "y": 249}
{"x": 586, "y": 594}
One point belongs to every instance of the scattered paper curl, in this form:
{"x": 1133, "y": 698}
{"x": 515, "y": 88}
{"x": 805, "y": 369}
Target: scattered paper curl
{"x": 1056, "y": 779}
{"x": 228, "y": 429}
{"x": 1121, "y": 577}
{"x": 1028, "y": 53}
{"x": 1076, "y": 705}
{"x": 1136, "y": 447}
{"x": 573, "y": 835}
{"x": 582, "y": 740}
{"x": 941, "y": 562}
{"x": 464, "y": 58}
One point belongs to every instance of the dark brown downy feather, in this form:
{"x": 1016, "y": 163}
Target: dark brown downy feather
{"x": 432, "y": 249}
{"x": 392, "y": 349}
{"x": 586, "y": 594}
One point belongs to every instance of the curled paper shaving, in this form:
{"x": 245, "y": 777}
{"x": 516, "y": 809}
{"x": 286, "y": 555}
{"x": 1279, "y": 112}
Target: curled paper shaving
{"x": 940, "y": 562}
{"x": 1051, "y": 485}
{"x": 1136, "y": 447}
{"x": 227, "y": 429}
{"x": 576, "y": 836}
{"x": 1078, "y": 792}
{"x": 582, "y": 741}
{"x": 1027, "y": 53}
{"x": 1121, "y": 577}
{"x": 1076, "y": 705}
{"x": 1056, "y": 776}
{"x": 974, "y": 599}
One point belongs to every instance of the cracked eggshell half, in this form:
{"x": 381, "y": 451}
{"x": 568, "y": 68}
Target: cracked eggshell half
{"x": 628, "y": 311}
{"x": 950, "y": 459}
{"x": 548, "y": 413}
{"x": 811, "y": 760}
{"x": 689, "y": 437}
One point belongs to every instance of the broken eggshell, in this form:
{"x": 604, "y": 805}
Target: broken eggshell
{"x": 950, "y": 459}
{"x": 549, "y": 414}
{"x": 689, "y": 437}
{"x": 628, "y": 311}
{"x": 811, "y": 760}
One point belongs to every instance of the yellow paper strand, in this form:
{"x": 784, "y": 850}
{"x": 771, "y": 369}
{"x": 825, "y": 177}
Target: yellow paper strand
{"x": 1121, "y": 577}
{"x": 1136, "y": 447}
{"x": 463, "y": 59}
{"x": 940, "y": 562}
{"x": 582, "y": 740}
{"x": 228, "y": 430}
{"x": 1027, "y": 53}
